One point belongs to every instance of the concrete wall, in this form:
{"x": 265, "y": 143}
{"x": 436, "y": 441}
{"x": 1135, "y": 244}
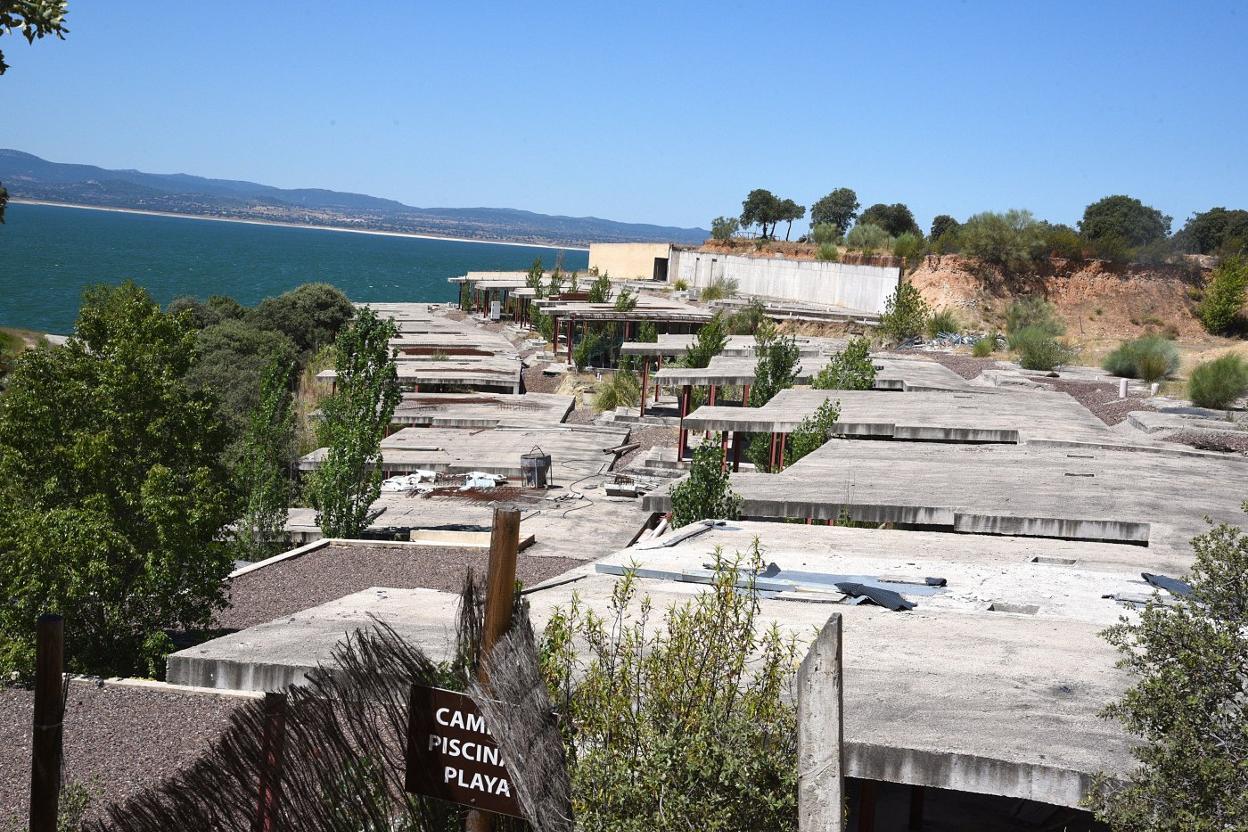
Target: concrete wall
{"x": 847, "y": 285}
{"x": 627, "y": 261}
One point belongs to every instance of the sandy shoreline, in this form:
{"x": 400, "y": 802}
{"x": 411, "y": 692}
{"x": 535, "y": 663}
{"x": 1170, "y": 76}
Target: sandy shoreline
{"x": 18, "y": 201}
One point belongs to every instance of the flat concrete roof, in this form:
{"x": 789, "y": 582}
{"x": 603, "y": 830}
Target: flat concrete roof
{"x": 891, "y": 373}
{"x": 489, "y": 372}
{"x": 738, "y": 345}
{"x": 575, "y": 450}
{"x": 649, "y": 308}
{"x": 986, "y": 415}
{"x": 952, "y": 694}
{"x": 481, "y": 410}
{"x": 1138, "y": 495}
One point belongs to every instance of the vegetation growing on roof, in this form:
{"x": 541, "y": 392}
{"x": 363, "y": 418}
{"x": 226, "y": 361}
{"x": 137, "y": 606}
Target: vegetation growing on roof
{"x": 706, "y": 493}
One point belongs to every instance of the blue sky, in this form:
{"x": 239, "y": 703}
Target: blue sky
{"x": 666, "y": 112}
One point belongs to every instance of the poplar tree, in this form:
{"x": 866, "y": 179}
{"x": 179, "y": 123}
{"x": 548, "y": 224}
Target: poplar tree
{"x": 267, "y": 448}
{"x": 353, "y": 423}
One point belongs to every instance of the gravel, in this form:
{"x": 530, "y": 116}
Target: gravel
{"x": 535, "y": 382}
{"x": 1211, "y": 441}
{"x": 1099, "y": 397}
{"x": 118, "y": 739}
{"x": 647, "y": 438}
{"x": 335, "y": 570}
{"x": 966, "y": 366}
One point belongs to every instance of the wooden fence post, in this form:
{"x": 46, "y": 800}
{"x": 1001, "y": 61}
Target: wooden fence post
{"x": 273, "y": 742}
{"x": 500, "y": 587}
{"x": 45, "y": 772}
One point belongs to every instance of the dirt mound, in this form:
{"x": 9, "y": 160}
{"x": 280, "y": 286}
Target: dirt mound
{"x": 1095, "y": 300}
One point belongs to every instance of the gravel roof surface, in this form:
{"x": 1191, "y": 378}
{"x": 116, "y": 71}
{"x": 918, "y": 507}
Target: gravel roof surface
{"x": 336, "y": 570}
{"x": 535, "y": 382}
{"x": 118, "y": 739}
{"x": 1099, "y": 397}
{"x": 647, "y": 437}
{"x": 1210, "y": 441}
{"x": 967, "y": 366}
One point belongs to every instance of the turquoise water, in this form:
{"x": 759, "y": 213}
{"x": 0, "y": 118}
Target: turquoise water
{"x": 49, "y": 254}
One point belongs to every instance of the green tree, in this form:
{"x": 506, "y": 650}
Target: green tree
{"x": 778, "y": 362}
{"x": 706, "y": 494}
{"x": 711, "y": 339}
{"x": 837, "y": 209}
{"x": 1011, "y": 241}
{"x": 895, "y": 219}
{"x": 942, "y": 224}
{"x": 825, "y": 234}
{"x": 112, "y": 490}
{"x": 647, "y": 332}
{"x": 262, "y": 472}
{"x": 850, "y": 369}
{"x": 790, "y": 211}
{"x": 905, "y": 313}
{"x": 1123, "y": 219}
{"x": 33, "y": 19}
{"x": 1223, "y": 299}
{"x": 534, "y": 278}
{"x": 812, "y": 432}
{"x": 909, "y": 247}
{"x": 230, "y": 361}
{"x": 353, "y": 423}
{"x": 310, "y": 315}
{"x": 723, "y": 228}
{"x": 1216, "y": 231}
{"x": 762, "y": 208}
{"x": 1188, "y": 706}
{"x": 600, "y": 289}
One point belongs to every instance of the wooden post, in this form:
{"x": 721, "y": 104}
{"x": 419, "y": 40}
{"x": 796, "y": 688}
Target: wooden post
{"x": 273, "y": 741}
{"x": 45, "y": 772}
{"x": 500, "y": 587}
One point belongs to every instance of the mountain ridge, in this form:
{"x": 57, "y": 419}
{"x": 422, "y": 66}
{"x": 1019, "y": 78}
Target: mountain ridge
{"x": 27, "y": 176}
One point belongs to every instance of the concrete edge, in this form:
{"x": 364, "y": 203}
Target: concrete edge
{"x": 168, "y": 687}
{"x": 278, "y": 558}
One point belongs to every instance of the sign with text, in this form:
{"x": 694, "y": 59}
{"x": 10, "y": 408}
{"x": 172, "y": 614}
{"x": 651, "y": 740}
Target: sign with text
{"x": 451, "y": 755}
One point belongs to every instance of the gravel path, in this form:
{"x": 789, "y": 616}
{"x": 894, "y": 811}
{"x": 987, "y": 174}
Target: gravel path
{"x": 118, "y": 739}
{"x": 334, "y": 571}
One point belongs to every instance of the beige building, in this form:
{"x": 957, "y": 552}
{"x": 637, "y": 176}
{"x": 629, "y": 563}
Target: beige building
{"x": 631, "y": 261}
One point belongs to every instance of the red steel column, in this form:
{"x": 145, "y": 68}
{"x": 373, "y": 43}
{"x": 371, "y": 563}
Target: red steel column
{"x": 645, "y": 382}
{"x": 745, "y": 396}
{"x": 736, "y": 450}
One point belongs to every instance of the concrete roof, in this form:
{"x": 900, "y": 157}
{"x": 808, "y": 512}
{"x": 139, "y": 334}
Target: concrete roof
{"x": 481, "y": 410}
{"x": 649, "y": 308}
{"x": 902, "y": 374}
{"x": 1150, "y": 497}
{"x": 738, "y": 345}
{"x": 576, "y": 450}
{"x": 949, "y": 695}
{"x": 985, "y": 415}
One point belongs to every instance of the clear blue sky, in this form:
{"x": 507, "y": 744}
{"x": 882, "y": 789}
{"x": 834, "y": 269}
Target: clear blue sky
{"x": 665, "y": 112}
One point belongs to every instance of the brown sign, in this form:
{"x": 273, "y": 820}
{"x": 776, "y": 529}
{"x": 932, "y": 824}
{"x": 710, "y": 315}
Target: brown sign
{"x": 451, "y": 755}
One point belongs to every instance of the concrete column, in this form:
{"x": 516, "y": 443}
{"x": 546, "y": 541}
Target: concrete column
{"x": 820, "y": 734}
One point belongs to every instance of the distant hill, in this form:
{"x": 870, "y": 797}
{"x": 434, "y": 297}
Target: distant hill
{"x": 28, "y": 177}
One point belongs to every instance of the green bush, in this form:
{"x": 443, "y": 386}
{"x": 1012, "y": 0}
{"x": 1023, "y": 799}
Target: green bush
{"x": 1039, "y": 350}
{"x": 1150, "y": 358}
{"x": 678, "y": 723}
{"x": 1011, "y": 241}
{"x": 710, "y": 342}
{"x": 620, "y": 389}
{"x": 985, "y": 346}
{"x": 829, "y": 252}
{"x": 584, "y": 350}
{"x": 851, "y": 369}
{"x": 719, "y": 288}
{"x": 813, "y": 432}
{"x": 868, "y": 238}
{"x": 776, "y": 369}
{"x": 825, "y": 233}
{"x": 1063, "y": 241}
{"x": 1218, "y": 383}
{"x": 747, "y": 320}
{"x": 908, "y": 246}
{"x": 905, "y": 313}
{"x": 941, "y": 322}
{"x": 1032, "y": 312}
{"x": 723, "y": 228}
{"x": 1223, "y": 298}
{"x": 311, "y": 315}
{"x": 706, "y": 494}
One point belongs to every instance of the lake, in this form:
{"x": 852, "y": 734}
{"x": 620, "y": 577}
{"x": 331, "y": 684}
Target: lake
{"x": 48, "y": 254}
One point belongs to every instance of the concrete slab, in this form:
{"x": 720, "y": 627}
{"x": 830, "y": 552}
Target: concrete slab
{"x": 481, "y": 410}
{"x": 1154, "y": 498}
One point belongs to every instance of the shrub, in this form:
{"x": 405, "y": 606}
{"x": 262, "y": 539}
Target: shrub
{"x": 600, "y": 289}
{"x": 1063, "y": 241}
{"x": 620, "y": 389}
{"x": 905, "y": 313}
{"x": 942, "y": 322}
{"x": 1010, "y": 241}
{"x": 813, "y": 431}
{"x": 722, "y": 228}
{"x": 1218, "y": 383}
{"x": 985, "y": 346}
{"x": 851, "y": 369}
{"x": 719, "y": 288}
{"x": 868, "y": 238}
{"x": 747, "y": 320}
{"x": 908, "y": 246}
{"x": 1223, "y": 298}
{"x": 679, "y": 723}
{"x": 825, "y": 233}
{"x": 1032, "y": 312}
{"x": 828, "y": 252}
{"x": 776, "y": 369}
{"x": 1039, "y": 350}
{"x": 680, "y": 284}
{"x": 1150, "y": 358}
{"x": 710, "y": 342}
{"x": 584, "y": 351}
{"x": 706, "y": 493}
{"x": 625, "y": 301}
